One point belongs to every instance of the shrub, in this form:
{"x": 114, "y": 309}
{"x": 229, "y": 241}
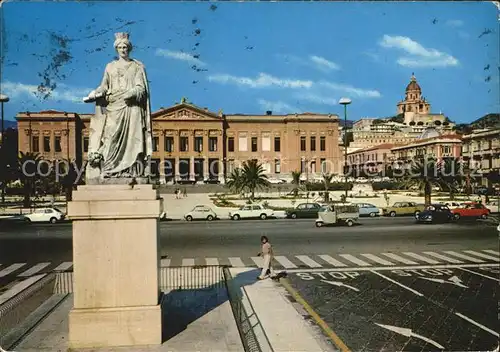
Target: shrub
{"x": 334, "y": 186}
{"x": 379, "y": 186}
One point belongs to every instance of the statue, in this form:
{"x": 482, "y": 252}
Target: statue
{"x": 120, "y": 141}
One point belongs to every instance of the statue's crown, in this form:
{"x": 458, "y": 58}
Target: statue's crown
{"x": 121, "y": 35}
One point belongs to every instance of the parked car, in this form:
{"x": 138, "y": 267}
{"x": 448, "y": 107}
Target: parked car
{"x": 403, "y": 208}
{"x": 252, "y": 211}
{"x": 492, "y": 206}
{"x": 201, "y": 212}
{"x": 452, "y": 205}
{"x": 51, "y": 215}
{"x": 470, "y": 210}
{"x": 367, "y": 209}
{"x": 303, "y": 210}
{"x": 435, "y": 213}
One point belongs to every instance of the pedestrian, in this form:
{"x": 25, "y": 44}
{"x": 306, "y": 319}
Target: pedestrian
{"x": 267, "y": 254}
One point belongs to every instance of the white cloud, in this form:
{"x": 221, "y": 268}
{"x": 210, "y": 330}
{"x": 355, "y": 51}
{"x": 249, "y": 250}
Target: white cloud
{"x": 323, "y": 64}
{"x": 180, "y": 55}
{"x": 263, "y": 80}
{"x": 419, "y": 56}
{"x": 317, "y": 98}
{"x": 62, "y": 92}
{"x": 455, "y": 23}
{"x": 277, "y": 106}
{"x": 351, "y": 91}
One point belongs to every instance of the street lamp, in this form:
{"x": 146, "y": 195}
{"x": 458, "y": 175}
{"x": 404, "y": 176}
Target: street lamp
{"x": 345, "y": 102}
{"x": 3, "y": 99}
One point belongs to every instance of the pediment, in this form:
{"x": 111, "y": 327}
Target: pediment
{"x": 185, "y": 112}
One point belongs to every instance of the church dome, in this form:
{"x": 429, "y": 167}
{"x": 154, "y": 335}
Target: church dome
{"x": 413, "y": 85}
{"x": 429, "y": 133}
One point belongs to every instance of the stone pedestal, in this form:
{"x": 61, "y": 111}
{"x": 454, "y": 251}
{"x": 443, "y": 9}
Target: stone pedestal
{"x": 116, "y": 266}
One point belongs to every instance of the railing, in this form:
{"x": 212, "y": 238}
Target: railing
{"x": 191, "y": 277}
{"x": 242, "y": 315}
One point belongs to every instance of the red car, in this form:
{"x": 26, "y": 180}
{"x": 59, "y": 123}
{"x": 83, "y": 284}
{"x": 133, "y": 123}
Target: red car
{"x": 470, "y": 210}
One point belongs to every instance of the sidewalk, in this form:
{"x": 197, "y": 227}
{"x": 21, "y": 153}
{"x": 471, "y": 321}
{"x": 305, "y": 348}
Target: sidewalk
{"x": 196, "y": 322}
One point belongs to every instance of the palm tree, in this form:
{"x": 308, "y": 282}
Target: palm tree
{"x": 235, "y": 181}
{"x": 253, "y": 176}
{"x": 423, "y": 174}
{"x": 327, "y": 182}
{"x": 452, "y": 175}
{"x": 296, "y": 182}
{"x": 27, "y": 166}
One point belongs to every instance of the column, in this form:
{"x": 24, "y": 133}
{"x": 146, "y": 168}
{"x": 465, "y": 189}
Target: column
{"x": 221, "y": 170}
{"x": 177, "y": 172}
{"x": 191, "y": 168}
{"x": 161, "y": 152}
{"x": 206, "y": 168}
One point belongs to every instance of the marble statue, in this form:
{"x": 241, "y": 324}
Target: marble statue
{"x": 120, "y": 140}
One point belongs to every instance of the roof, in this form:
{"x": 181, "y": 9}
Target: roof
{"x": 375, "y": 147}
{"x": 413, "y": 85}
{"x": 455, "y": 138}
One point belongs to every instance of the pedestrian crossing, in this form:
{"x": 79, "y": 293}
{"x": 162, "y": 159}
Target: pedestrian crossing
{"x": 300, "y": 261}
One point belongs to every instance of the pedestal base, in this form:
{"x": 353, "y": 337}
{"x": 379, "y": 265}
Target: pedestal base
{"x": 114, "y": 327}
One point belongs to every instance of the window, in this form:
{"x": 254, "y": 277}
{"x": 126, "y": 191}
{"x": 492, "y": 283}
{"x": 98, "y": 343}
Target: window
{"x": 46, "y": 143}
{"x": 230, "y": 144}
{"x": 230, "y": 165}
{"x": 277, "y": 144}
{"x": 156, "y": 143}
{"x": 323, "y": 166}
{"x": 313, "y": 143}
{"x": 169, "y": 144}
{"x": 302, "y": 166}
{"x": 35, "y": 144}
{"x": 322, "y": 143}
{"x": 85, "y": 144}
{"x": 183, "y": 144}
{"x": 277, "y": 166}
{"x": 198, "y": 144}
{"x": 254, "y": 144}
{"x": 57, "y": 144}
{"x": 212, "y": 144}
{"x": 302, "y": 143}
{"x": 313, "y": 166}
{"x": 242, "y": 142}
{"x": 266, "y": 142}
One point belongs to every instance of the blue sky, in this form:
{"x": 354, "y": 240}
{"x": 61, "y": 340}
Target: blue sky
{"x": 251, "y": 57}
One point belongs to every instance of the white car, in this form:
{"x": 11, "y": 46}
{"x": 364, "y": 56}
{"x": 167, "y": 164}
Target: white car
{"x": 492, "y": 206}
{"x": 201, "y": 212}
{"x": 51, "y": 215}
{"x": 252, "y": 211}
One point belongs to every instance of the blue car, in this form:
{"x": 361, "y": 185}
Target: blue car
{"x": 367, "y": 209}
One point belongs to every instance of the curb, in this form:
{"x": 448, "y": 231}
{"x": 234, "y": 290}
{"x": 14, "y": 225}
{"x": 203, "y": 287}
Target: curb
{"x": 317, "y": 319}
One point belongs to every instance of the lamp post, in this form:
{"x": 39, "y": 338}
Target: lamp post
{"x": 345, "y": 102}
{"x": 3, "y": 99}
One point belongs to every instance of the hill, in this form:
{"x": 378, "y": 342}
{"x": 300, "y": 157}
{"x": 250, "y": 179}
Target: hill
{"x": 487, "y": 121}
{"x": 9, "y": 124}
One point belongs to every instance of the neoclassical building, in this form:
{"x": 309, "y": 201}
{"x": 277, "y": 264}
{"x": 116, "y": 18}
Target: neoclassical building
{"x": 193, "y": 143}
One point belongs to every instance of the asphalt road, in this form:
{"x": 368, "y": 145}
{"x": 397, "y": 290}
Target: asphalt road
{"x": 430, "y": 309}
{"x": 219, "y": 239}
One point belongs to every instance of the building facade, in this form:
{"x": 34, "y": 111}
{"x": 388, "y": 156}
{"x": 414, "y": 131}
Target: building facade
{"x": 371, "y": 160}
{"x": 195, "y": 144}
{"x": 481, "y": 149}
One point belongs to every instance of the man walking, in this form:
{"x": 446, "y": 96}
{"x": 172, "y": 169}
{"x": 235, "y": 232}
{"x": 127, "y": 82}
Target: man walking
{"x": 267, "y": 254}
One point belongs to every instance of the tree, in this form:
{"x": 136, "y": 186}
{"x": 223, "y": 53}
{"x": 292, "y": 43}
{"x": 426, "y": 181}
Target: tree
{"x": 296, "y": 182}
{"x": 254, "y": 176}
{"x": 27, "y": 171}
{"x": 451, "y": 175}
{"x": 235, "y": 181}
{"x": 327, "y": 181}
{"x": 423, "y": 174}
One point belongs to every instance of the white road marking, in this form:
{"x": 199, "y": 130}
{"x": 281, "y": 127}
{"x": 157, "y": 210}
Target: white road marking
{"x": 33, "y": 270}
{"x": 259, "y": 261}
{"x": 497, "y": 253}
{"x": 377, "y": 259}
{"x": 385, "y": 268}
{"x": 64, "y": 266}
{"x": 400, "y": 259}
{"x": 212, "y": 261}
{"x": 285, "y": 262}
{"x": 443, "y": 257}
{"x": 398, "y": 283}
{"x": 308, "y": 261}
{"x": 331, "y": 260}
{"x": 354, "y": 260}
{"x": 475, "y": 272}
{"x": 477, "y": 324}
{"x": 422, "y": 258}
{"x": 482, "y": 255}
{"x": 165, "y": 262}
{"x": 236, "y": 262}
{"x": 463, "y": 256}
{"x": 188, "y": 262}
{"x": 10, "y": 269}
{"x": 14, "y": 290}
